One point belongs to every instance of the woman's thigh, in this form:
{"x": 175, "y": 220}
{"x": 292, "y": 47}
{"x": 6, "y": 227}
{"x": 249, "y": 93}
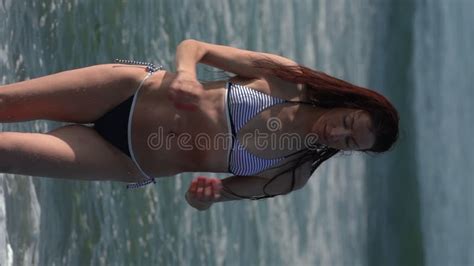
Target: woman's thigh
{"x": 70, "y": 152}
{"x": 79, "y": 96}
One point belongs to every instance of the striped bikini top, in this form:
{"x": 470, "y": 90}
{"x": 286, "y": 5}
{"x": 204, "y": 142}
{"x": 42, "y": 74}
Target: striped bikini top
{"x": 243, "y": 103}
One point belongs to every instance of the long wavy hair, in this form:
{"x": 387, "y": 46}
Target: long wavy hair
{"x": 329, "y": 92}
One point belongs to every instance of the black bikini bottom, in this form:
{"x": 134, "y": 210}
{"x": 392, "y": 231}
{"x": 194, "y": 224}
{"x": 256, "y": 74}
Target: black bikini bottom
{"x": 113, "y": 125}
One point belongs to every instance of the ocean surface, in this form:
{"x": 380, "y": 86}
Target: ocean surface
{"x": 411, "y": 206}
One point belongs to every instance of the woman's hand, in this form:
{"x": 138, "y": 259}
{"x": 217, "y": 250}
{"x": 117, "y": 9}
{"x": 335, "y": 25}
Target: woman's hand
{"x": 203, "y": 191}
{"x": 184, "y": 91}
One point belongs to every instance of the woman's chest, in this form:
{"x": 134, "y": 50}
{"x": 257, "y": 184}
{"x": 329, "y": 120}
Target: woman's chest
{"x": 271, "y": 133}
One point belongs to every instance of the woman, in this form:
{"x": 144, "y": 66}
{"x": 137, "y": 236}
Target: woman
{"x": 271, "y": 125}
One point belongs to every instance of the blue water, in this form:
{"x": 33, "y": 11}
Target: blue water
{"x": 443, "y": 97}
{"x": 352, "y": 212}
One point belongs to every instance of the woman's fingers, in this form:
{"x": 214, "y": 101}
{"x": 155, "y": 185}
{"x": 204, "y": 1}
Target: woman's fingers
{"x": 184, "y": 92}
{"x": 193, "y": 187}
{"x": 201, "y": 183}
{"x": 217, "y": 187}
{"x": 208, "y": 191}
{"x": 205, "y": 189}
{"x": 195, "y": 194}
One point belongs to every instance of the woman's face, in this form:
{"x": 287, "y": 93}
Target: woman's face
{"x": 345, "y": 129}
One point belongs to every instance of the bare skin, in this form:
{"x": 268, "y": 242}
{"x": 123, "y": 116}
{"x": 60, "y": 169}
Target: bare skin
{"x": 169, "y": 105}
{"x": 159, "y": 120}
{"x": 157, "y": 112}
{"x": 75, "y": 151}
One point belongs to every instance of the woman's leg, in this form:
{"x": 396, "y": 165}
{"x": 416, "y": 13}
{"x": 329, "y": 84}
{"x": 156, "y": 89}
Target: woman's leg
{"x": 78, "y": 96}
{"x": 71, "y": 152}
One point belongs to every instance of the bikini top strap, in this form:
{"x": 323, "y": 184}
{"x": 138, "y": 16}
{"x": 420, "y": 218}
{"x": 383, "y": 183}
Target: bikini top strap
{"x": 300, "y": 102}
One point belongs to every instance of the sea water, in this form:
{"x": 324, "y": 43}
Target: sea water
{"x": 411, "y": 205}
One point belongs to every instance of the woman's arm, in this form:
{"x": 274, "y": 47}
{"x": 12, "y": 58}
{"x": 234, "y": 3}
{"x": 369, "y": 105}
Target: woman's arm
{"x": 184, "y": 89}
{"x": 241, "y": 62}
{"x": 203, "y": 191}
